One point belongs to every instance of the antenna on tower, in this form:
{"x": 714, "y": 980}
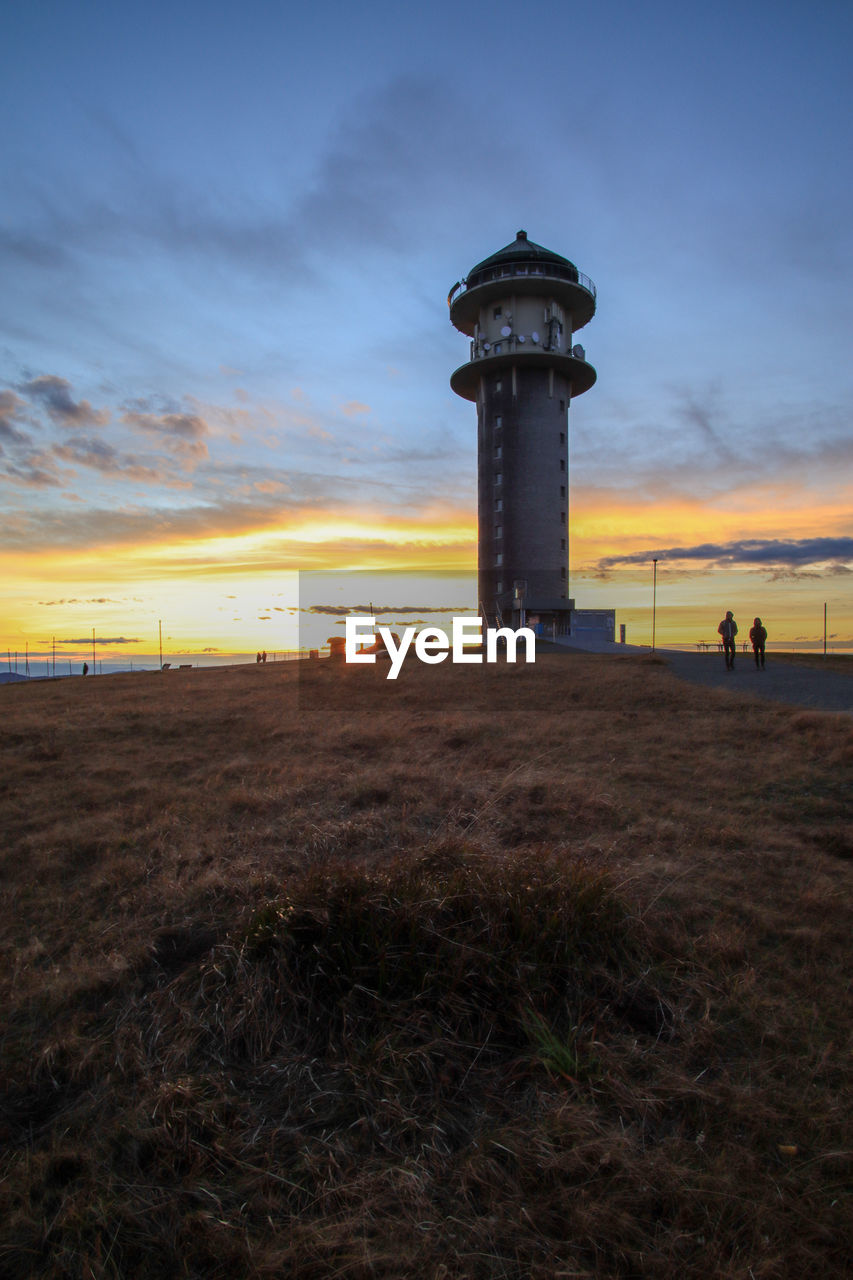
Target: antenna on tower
{"x": 578, "y": 352}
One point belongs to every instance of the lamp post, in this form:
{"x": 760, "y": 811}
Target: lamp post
{"x": 654, "y": 599}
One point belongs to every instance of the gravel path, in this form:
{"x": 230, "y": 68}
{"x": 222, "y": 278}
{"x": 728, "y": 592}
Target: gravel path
{"x": 782, "y": 681}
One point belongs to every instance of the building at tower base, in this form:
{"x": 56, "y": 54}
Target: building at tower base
{"x": 520, "y": 308}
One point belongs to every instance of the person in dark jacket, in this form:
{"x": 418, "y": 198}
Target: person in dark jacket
{"x": 728, "y": 630}
{"x": 758, "y": 636}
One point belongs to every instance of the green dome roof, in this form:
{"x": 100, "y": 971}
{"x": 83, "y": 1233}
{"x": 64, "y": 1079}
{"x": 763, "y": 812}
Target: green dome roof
{"x": 521, "y": 250}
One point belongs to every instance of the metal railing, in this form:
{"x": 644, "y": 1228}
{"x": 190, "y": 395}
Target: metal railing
{"x": 515, "y": 343}
{"x": 548, "y": 271}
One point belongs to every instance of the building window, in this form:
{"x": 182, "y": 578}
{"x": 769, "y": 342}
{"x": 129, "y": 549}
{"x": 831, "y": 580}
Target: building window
{"x": 499, "y": 586}
{"x": 562, "y": 433}
{"x": 498, "y": 452}
{"x": 499, "y": 561}
{"x": 563, "y": 574}
{"x": 499, "y": 504}
{"x": 498, "y": 422}
{"x": 562, "y": 491}
{"x": 562, "y": 517}
{"x": 562, "y": 410}
{"x": 562, "y": 464}
{"x": 498, "y": 385}
{"x": 562, "y": 544}
{"x": 499, "y": 480}
{"x": 499, "y": 531}
{"x": 496, "y": 349}
{"x": 497, "y": 313}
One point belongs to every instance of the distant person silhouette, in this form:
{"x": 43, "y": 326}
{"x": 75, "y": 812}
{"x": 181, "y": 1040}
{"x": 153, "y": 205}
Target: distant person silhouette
{"x": 85, "y": 668}
{"x": 728, "y": 630}
{"x": 758, "y": 636}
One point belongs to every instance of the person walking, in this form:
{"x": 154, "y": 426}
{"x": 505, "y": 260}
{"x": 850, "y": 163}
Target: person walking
{"x": 758, "y": 636}
{"x": 728, "y": 630}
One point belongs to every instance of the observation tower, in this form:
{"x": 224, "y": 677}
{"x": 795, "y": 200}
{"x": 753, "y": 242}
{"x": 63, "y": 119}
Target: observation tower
{"x": 521, "y": 308}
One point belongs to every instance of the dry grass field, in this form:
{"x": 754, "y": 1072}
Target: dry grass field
{"x": 525, "y": 972}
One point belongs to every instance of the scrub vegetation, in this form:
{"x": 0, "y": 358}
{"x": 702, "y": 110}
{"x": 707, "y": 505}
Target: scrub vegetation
{"x": 514, "y": 971}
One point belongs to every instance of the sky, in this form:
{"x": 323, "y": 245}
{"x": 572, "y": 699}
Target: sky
{"x": 227, "y": 236}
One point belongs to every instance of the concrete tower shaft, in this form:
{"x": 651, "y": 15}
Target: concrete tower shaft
{"x": 520, "y": 308}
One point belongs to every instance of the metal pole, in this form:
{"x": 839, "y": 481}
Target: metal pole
{"x": 94, "y": 663}
{"x": 824, "y": 628}
{"x": 160, "y": 625}
{"x": 654, "y": 600}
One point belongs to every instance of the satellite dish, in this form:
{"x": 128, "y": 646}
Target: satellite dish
{"x": 506, "y": 331}
{"x": 521, "y": 337}
{"x": 487, "y": 346}
{"x": 535, "y": 336}
{"x": 578, "y": 352}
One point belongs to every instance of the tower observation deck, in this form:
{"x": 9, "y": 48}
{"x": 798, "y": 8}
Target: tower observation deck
{"x": 520, "y": 309}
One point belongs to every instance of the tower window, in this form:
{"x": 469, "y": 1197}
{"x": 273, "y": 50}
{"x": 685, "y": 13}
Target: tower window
{"x": 563, "y": 574}
{"x": 562, "y": 517}
{"x": 498, "y": 452}
{"x": 499, "y": 586}
{"x": 499, "y": 504}
{"x": 499, "y": 531}
{"x": 499, "y": 561}
{"x": 498, "y": 385}
{"x": 562, "y": 544}
{"x": 562, "y": 410}
{"x": 562, "y": 464}
{"x": 496, "y": 349}
{"x": 562, "y": 491}
{"x": 498, "y": 422}
{"x": 562, "y": 433}
{"x": 499, "y": 480}
{"x": 497, "y": 313}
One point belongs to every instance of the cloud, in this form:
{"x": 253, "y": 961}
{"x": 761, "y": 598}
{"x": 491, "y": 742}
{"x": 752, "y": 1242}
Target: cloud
{"x": 102, "y": 640}
{"x": 833, "y": 553}
{"x": 378, "y": 610}
{"x": 55, "y": 394}
{"x": 369, "y": 192}
{"x": 10, "y": 408}
{"x": 182, "y": 434}
{"x": 34, "y": 250}
{"x": 35, "y": 470}
{"x": 75, "y": 600}
{"x": 102, "y": 456}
